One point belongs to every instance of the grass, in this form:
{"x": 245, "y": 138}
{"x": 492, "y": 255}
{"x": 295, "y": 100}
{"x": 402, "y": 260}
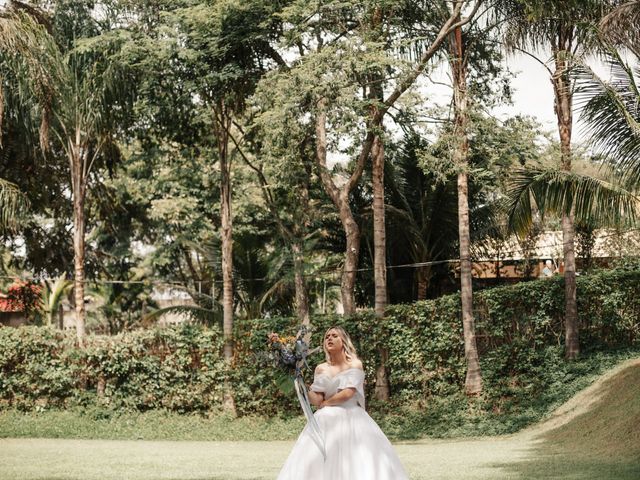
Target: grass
{"x": 600, "y": 443}
{"x": 152, "y": 425}
{"x": 611, "y": 429}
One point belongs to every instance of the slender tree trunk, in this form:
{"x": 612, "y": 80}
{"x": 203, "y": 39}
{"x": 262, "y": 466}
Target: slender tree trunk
{"x": 382, "y": 391}
{"x": 223, "y": 125}
{"x": 473, "y": 382}
{"x": 76, "y": 154}
{"x": 376, "y": 94}
{"x": 564, "y": 114}
{"x": 424, "y": 274}
{"x": 302, "y": 298}
{"x": 78, "y": 261}
{"x": 299, "y": 230}
{"x": 379, "y": 232}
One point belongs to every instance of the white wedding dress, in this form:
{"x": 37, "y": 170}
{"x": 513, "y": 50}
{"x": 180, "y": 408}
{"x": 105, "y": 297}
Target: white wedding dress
{"x": 356, "y": 447}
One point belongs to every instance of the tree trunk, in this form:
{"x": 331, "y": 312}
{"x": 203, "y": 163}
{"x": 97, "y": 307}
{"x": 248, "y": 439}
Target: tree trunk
{"x": 564, "y": 114}
{"x": 380, "y": 259}
{"x": 223, "y": 125}
{"x": 424, "y": 273}
{"x": 78, "y": 260}
{"x": 340, "y": 198}
{"x": 473, "y": 382}
{"x": 379, "y": 233}
{"x": 349, "y": 273}
{"x": 77, "y": 160}
{"x": 302, "y": 297}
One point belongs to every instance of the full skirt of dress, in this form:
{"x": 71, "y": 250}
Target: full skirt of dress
{"x": 356, "y": 449}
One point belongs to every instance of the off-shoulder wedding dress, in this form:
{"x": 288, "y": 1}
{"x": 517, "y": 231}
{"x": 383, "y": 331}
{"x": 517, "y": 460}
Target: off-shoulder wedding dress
{"x": 356, "y": 448}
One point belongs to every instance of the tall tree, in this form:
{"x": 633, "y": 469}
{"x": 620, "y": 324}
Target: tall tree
{"x": 566, "y": 29}
{"x": 458, "y": 62}
{"x": 218, "y": 51}
{"x": 610, "y": 113}
{"x": 329, "y": 35}
{"x": 78, "y": 92}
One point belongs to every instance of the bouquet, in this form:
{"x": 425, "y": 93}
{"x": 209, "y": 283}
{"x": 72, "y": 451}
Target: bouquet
{"x": 290, "y": 355}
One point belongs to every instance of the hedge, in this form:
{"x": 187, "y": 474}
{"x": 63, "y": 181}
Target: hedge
{"x": 181, "y": 368}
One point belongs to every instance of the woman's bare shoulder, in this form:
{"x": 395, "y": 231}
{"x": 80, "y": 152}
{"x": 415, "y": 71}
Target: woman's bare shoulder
{"x": 356, "y": 363}
{"x": 322, "y": 368}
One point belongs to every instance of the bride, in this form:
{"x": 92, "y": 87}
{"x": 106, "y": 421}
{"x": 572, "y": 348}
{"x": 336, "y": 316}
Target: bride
{"x": 356, "y": 448}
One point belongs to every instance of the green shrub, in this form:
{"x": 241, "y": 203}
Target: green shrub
{"x": 181, "y": 369}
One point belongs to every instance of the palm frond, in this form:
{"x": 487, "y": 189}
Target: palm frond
{"x": 28, "y": 48}
{"x": 611, "y": 112}
{"x": 12, "y": 203}
{"x": 559, "y": 191}
{"x": 533, "y": 26}
{"x": 621, "y": 25}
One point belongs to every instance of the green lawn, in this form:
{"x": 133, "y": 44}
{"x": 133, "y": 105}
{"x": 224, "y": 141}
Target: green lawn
{"x": 594, "y": 437}
{"x": 30, "y": 459}
{"x": 496, "y": 458}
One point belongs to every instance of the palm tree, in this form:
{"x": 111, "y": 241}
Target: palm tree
{"x": 422, "y": 214}
{"x": 77, "y": 91}
{"x": 611, "y": 116}
{"x": 458, "y": 65}
{"x": 566, "y": 28}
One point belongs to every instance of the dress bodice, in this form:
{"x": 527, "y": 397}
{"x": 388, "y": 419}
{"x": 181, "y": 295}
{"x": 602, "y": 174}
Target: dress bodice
{"x": 349, "y": 378}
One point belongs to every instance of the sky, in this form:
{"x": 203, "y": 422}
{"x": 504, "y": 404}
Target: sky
{"x": 532, "y": 93}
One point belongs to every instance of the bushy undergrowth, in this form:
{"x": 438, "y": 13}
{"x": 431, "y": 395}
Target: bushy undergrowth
{"x": 180, "y": 369}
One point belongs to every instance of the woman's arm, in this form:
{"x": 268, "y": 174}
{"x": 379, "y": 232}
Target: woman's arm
{"x": 340, "y": 397}
{"x": 315, "y": 398}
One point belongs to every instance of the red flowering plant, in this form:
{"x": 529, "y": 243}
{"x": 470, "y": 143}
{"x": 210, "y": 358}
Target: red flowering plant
{"x": 23, "y": 297}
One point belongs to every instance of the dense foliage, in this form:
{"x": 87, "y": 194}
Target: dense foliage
{"x": 181, "y": 368}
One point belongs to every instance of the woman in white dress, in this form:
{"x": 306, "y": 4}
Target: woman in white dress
{"x": 356, "y": 448}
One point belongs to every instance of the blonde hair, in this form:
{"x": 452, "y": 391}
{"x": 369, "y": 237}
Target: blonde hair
{"x": 347, "y": 345}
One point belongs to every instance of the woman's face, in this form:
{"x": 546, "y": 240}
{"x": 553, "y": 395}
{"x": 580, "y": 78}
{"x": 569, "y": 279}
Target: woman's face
{"x": 333, "y": 341}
